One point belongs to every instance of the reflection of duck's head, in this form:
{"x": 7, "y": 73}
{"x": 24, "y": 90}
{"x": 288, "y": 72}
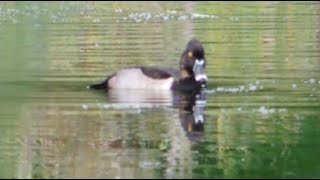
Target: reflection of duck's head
{"x": 192, "y": 114}
{"x": 190, "y": 76}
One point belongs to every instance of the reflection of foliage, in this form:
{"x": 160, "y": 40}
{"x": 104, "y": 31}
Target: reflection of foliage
{"x": 159, "y": 171}
{"x": 239, "y": 50}
{"x": 64, "y": 44}
{"x": 41, "y": 168}
{"x": 164, "y": 145}
{"x": 248, "y": 146}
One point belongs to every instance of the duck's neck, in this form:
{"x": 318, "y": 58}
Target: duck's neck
{"x": 185, "y": 73}
{"x": 186, "y": 81}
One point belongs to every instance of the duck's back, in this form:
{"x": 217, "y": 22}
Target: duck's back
{"x": 160, "y": 72}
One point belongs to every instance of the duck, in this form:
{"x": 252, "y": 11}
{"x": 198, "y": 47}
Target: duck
{"x": 190, "y": 76}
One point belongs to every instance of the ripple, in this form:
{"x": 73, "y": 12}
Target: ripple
{"x": 266, "y": 111}
{"x": 310, "y": 81}
{"x": 119, "y": 10}
{"x": 134, "y": 107}
{"x": 170, "y": 15}
{"x": 242, "y": 88}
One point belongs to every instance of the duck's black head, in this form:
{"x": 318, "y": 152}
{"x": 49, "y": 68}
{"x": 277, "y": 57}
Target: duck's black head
{"x": 193, "y": 63}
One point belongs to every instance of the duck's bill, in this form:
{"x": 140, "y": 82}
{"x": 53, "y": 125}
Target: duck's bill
{"x": 199, "y": 71}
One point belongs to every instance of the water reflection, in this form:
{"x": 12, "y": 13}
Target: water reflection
{"x": 263, "y": 120}
{"x": 191, "y": 106}
{"x": 191, "y": 113}
{"x": 139, "y": 98}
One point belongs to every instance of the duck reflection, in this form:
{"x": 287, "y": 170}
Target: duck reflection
{"x": 191, "y": 113}
{"x": 191, "y": 106}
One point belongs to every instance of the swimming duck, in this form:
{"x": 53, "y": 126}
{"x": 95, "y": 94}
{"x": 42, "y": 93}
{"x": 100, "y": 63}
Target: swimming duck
{"x": 190, "y": 76}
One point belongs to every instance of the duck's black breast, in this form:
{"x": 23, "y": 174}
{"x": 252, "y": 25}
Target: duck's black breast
{"x": 162, "y": 73}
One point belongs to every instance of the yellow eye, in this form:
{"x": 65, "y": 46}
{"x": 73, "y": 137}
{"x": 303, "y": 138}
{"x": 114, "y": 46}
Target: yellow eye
{"x": 190, "y": 54}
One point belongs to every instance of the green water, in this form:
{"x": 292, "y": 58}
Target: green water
{"x": 260, "y": 120}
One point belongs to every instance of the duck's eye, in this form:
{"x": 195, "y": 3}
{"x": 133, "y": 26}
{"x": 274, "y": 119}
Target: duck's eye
{"x": 190, "y": 54}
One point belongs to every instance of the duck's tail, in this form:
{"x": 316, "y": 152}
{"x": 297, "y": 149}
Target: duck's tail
{"x": 102, "y": 85}
{"x": 99, "y": 86}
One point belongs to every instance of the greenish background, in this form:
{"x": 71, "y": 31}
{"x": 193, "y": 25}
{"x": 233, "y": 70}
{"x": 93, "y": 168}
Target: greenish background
{"x": 262, "y": 112}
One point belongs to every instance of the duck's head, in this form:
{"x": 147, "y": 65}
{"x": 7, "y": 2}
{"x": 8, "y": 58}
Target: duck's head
{"x": 193, "y": 63}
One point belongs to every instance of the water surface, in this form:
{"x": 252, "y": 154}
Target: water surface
{"x": 258, "y": 117}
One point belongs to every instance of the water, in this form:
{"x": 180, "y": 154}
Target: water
{"x": 258, "y": 117}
